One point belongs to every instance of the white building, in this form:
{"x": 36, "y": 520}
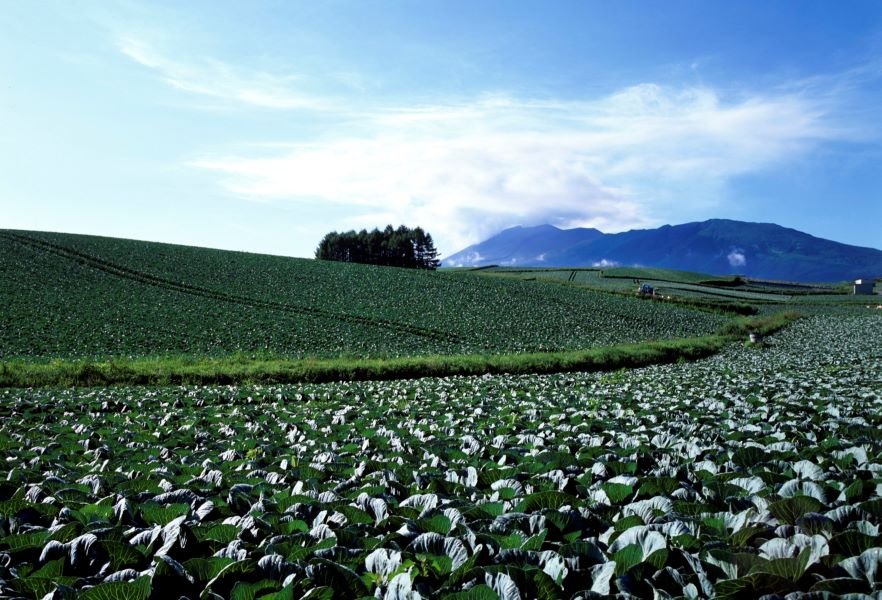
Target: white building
{"x": 864, "y": 286}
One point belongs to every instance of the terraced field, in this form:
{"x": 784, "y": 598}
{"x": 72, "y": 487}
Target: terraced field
{"x": 69, "y": 296}
{"x": 757, "y": 471}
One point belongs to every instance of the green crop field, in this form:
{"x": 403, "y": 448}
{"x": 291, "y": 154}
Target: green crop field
{"x": 753, "y": 472}
{"x": 701, "y": 290}
{"x": 725, "y": 469}
{"x": 69, "y": 296}
{"x": 677, "y": 284}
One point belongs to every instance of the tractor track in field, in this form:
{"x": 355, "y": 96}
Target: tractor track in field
{"x": 141, "y": 277}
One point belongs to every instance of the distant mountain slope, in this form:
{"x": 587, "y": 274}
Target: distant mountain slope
{"x": 523, "y": 245}
{"x": 718, "y": 246}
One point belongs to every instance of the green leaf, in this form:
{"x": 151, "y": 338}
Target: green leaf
{"x": 617, "y": 492}
{"x": 743, "y": 537}
{"x": 436, "y": 523}
{"x": 24, "y": 540}
{"x": 344, "y": 581}
{"x": 67, "y": 532}
{"x": 294, "y": 526}
{"x": 626, "y": 523}
{"x": 356, "y": 516}
{"x": 621, "y": 468}
{"x": 753, "y": 586}
{"x": 657, "y": 559}
{"x": 251, "y": 591}
{"x": 587, "y": 552}
{"x": 841, "y": 586}
{"x": 512, "y": 541}
{"x": 687, "y": 542}
{"x": 691, "y": 509}
{"x": 478, "y": 592}
{"x": 787, "y": 568}
{"x": 852, "y": 543}
{"x": 873, "y": 506}
{"x": 121, "y": 590}
{"x": 815, "y": 524}
{"x": 459, "y": 574}
{"x": 286, "y": 593}
{"x": 10, "y": 508}
{"x": 542, "y": 586}
{"x": 206, "y": 569}
{"x": 749, "y": 456}
{"x": 122, "y": 555}
{"x": 223, "y": 582}
{"x": 734, "y": 564}
{"x": 156, "y": 514}
{"x": 170, "y": 572}
{"x": 626, "y": 558}
{"x": 440, "y": 566}
{"x": 535, "y": 542}
{"x": 789, "y": 510}
{"x": 543, "y": 501}
{"x": 715, "y": 526}
{"x": 39, "y": 587}
{"x": 856, "y": 491}
{"x": 52, "y": 569}
{"x": 658, "y": 486}
{"x": 220, "y": 532}
{"x": 97, "y": 513}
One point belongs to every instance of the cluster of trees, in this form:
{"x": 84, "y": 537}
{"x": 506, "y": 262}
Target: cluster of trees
{"x": 402, "y": 247}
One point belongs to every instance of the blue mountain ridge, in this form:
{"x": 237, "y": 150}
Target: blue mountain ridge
{"x": 716, "y": 246}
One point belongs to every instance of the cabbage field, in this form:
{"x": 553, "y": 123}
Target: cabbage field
{"x": 754, "y": 472}
{"x": 84, "y": 297}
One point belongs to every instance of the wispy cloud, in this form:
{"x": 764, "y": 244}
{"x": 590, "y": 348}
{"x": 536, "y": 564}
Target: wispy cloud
{"x": 222, "y": 81}
{"x": 736, "y": 258}
{"x": 466, "y": 169}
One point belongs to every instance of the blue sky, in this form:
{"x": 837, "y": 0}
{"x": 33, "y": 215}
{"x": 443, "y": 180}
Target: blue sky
{"x": 260, "y": 126}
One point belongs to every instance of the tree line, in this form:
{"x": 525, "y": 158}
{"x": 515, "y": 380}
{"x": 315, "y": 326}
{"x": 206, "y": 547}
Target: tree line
{"x": 402, "y": 247}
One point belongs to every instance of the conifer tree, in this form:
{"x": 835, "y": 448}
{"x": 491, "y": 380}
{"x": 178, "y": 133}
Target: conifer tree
{"x": 402, "y": 247}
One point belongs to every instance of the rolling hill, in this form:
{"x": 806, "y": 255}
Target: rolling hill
{"x": 718, "y": 246}
{"x": 76, "y": 296}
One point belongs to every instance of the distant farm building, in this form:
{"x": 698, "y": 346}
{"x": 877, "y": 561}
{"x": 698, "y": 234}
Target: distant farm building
{"x": 864, "y": 286}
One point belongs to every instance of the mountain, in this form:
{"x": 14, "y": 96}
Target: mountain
{"x": 521, "y": 245}
{"x": 718, "y": 246}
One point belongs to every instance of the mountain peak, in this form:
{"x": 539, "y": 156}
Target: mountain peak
{"x": 719, "y": 246}
{"x": 520, "y": 245}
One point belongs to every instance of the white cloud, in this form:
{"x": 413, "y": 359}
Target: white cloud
{"x": 470, "y": 259}
{"x": 222, "y": 81}
{"x": 736, "y": 258}
{"x": 465, "y": 170}
{"x": 605, "y": 263}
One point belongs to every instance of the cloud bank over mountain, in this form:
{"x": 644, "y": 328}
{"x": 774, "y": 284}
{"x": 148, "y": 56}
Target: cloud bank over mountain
{"x": 471, "y": 168}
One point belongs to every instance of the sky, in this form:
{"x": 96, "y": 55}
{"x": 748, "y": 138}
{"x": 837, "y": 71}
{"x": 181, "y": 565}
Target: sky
{"x": 263, "y": 125}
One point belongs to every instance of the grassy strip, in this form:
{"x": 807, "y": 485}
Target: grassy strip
{"x": 234, "y": 370}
